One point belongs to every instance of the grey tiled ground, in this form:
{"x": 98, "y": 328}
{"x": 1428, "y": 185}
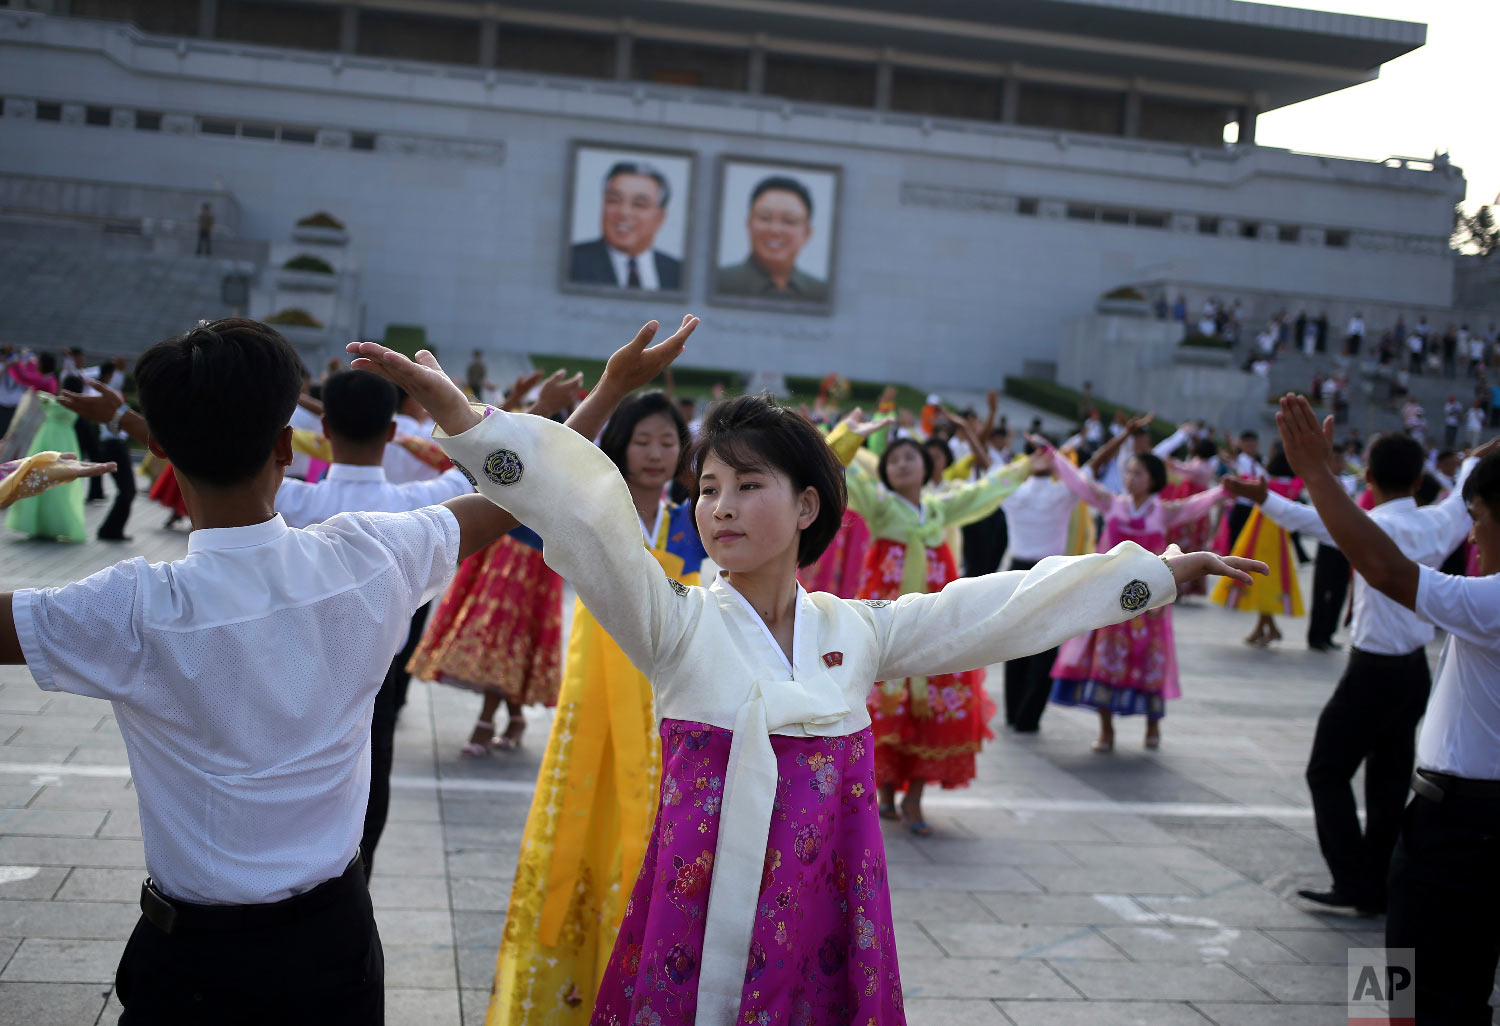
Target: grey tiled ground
{"x": 1043, "y": 899}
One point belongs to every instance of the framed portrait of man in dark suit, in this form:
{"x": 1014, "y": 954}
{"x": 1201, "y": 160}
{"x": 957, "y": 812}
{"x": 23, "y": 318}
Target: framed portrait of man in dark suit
{"x": 627, "y": 221}
{"x": 775, "y": 236}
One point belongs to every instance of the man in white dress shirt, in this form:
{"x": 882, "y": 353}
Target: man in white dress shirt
{"x": 358, "y": 412}
{"x": 401, "y": 465}
{"x": 243, "y": 679}
{"x": 1037, "y": 514}
{"x": 1371, "y": 717}
{"x": 1444, "y": 891}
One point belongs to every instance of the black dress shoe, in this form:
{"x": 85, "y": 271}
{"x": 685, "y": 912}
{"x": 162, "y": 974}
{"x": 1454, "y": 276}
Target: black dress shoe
{"x": 1324, "y": 646}
{"x": 1337, "y": 899}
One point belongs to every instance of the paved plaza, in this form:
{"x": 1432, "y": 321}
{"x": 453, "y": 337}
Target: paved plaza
{"x": 1063, "y": 887}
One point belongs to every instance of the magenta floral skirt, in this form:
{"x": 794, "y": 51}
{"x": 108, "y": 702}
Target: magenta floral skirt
{"x": 823, "y": 948}
{"x": 1128, "y": 668}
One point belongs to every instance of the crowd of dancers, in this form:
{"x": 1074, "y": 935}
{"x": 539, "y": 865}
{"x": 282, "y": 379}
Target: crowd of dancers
{"x": 782, "y": 625}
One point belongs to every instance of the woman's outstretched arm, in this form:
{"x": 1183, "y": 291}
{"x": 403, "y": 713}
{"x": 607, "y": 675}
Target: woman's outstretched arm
{"x": 561, "y": 485}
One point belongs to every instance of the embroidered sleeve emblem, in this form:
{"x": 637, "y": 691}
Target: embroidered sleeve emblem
{"x": 503, "y": 467}
{"x": 876, "y": 603}
{"x": 1135, "y": 596}
{"x": 678, "y": 587}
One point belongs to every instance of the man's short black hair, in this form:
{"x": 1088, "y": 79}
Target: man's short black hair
{"x": 783, "y": 183}
{"x": 359, "y": 406}
{"x": 1249, "y": 436}
{"x": 1396, "y": 462}
{"x": 1484, "y": 484}
{"x": 928, "y": 463}
{"x": 1205, "y": 449}
{"x": 640, "y": 167}
{"x": 754, "y": 432}
{"x": 216, "y": 398}
{"x": 615, "y": 441}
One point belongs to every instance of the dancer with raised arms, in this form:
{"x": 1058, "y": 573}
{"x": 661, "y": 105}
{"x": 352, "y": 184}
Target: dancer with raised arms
{"x": 760, "y": 694}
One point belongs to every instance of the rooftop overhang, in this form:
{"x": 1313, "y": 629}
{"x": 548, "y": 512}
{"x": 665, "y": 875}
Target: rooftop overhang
{"x": 1279, "y": 55}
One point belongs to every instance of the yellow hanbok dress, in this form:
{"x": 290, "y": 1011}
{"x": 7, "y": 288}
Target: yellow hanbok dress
{"x": 590, "y": 817}
{"x": 1262, "y": 538}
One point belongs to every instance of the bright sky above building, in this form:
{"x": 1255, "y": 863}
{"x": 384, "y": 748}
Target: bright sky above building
{"x": 1442, "y": 97}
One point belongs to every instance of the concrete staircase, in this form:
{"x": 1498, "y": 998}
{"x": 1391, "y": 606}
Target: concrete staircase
{"x": 106, "y": 292}
{"x": 1369, "y": 409}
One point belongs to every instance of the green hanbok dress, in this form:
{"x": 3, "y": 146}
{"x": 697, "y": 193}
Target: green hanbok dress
{"x": 57, "y": 513}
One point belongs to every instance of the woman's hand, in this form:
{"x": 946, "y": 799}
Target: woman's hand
{"x": 862, "y": 426}
{"x": 557, "y": 393}
{"x": 423, "y": 379}
{"x": 635, "y": 366}
{"x": 1192, "y": 566}
{"x": 35, "y": 474}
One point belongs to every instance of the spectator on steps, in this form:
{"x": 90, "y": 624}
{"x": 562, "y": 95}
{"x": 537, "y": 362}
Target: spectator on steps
{"x": 205, "y": 231}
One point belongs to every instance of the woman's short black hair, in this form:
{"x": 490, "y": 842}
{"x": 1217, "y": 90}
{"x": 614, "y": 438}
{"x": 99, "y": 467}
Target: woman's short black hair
{"x": 754, "y": 432}
{"x": 934, "y": 445}
{"x": 359, "y": 406}
{"x": 1155, "y": 469}
{"x": 928, "y": 464}
{"x": 1205, "y": 449}
{"x": 615, "y": 441}
{"x": 1278, "y": 465}
{"x": 1484, "y": 484}
{"x": 216, "y": 398}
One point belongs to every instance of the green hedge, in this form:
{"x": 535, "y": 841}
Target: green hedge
{"x": 322, "y": 219}
{"x": 698, "y": 382}
{"x": 295, "y": 317}
{"x": 408, "y": 339}
{"x": 1200, "y": 341}
{"x": 1063, "y": 401}
{"x": 308, "y": 262}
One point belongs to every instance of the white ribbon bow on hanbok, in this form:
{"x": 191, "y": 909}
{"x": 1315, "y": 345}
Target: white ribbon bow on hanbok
{"x": 820, "y": 708}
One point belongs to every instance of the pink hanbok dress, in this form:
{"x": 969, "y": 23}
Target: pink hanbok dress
{"x": 838, "y": 570}
{"x": 1131, "y": 667}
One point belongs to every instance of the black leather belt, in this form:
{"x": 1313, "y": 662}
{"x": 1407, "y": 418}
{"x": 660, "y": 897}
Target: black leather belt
{"x": 170, "y": 915}
{"x": 1435, "y": 786}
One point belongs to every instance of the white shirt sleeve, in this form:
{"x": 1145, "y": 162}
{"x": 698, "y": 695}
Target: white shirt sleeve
{"x": 563, "y": 487}
{"x": 1170, "y": 444}
{"x": 1466, "y": 607}
{"x": 976, "y": 621}
{"x": 1296, "y": 516}
{"x": 450, "y": 484}
{"x": 423, "y": 543}
{"x": 85, "y": 638}
{"x": 1448, "y": 522}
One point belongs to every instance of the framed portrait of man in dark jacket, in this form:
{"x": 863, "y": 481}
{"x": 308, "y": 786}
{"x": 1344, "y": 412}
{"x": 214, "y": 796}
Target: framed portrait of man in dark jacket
{"x": 776, "y": 236}
{"x": 627, "y": 221}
